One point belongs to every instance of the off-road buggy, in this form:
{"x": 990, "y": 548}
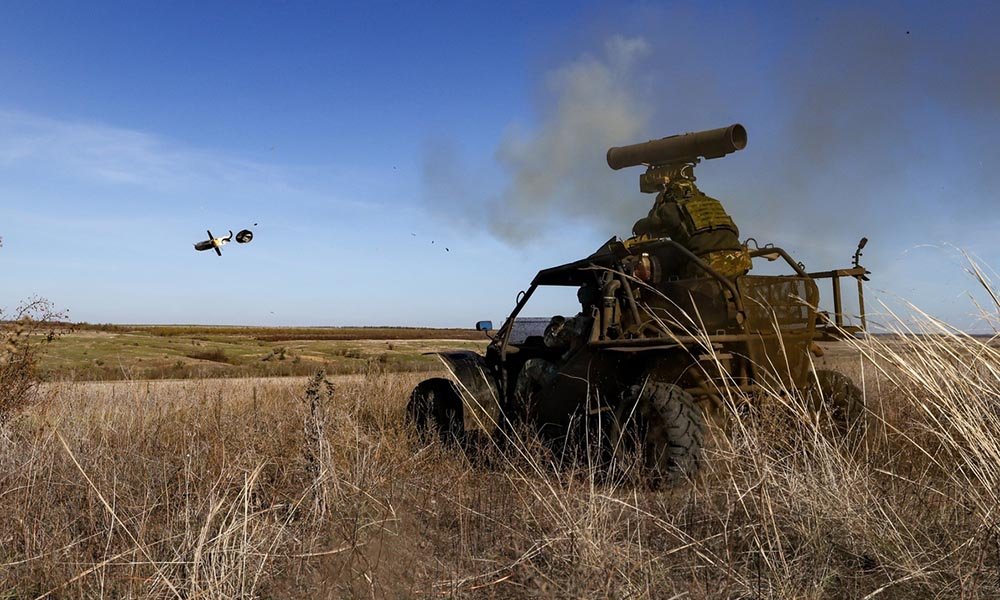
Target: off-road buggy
{"x": 655, "y": 353}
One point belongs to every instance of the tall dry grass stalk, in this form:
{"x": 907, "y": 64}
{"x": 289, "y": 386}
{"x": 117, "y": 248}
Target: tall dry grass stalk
{"x": 316, "y": 449}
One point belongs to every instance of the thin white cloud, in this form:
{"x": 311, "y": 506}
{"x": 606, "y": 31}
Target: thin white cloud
{"x": 105, "y": 157}
{"x": 108, "y": 154}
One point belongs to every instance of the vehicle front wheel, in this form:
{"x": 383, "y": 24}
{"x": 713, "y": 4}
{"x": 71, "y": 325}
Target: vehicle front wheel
{"x": 435, "y": 409}
{"x": 674, "y": 433}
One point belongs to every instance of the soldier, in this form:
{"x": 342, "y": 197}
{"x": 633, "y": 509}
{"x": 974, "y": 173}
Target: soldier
{"x": 565, "y": 334}
{"x": 561, "y": 335}
{"x": 535, "y": 375}
{"x": 686, "y": 215}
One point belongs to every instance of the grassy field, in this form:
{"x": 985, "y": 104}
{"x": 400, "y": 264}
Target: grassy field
{"x": 116, "y": 352}
{"x": 258, "y": 488}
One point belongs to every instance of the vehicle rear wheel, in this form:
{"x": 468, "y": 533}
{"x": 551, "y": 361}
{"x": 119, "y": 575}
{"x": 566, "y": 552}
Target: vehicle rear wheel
{"x": 435, "y": 409}
{"x": 674, "y": 433}
{"x": 837, "y": 401}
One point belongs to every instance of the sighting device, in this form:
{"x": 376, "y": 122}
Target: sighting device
{"x": 674, "y": 157}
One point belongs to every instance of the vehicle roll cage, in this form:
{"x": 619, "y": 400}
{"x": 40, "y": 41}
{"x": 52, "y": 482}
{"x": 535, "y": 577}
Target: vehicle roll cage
{"x": 565, "y": 275}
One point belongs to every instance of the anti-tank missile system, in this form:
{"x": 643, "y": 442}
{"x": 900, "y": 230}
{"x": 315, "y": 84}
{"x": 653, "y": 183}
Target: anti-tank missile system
{"x": 683, "y": 148}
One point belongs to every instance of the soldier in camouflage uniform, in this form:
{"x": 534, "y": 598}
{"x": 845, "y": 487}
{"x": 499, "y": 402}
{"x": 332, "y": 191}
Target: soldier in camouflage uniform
{"x": 562, "y": 335}
{"x": 699, "y": 223}
{"x": 535, "y": 375}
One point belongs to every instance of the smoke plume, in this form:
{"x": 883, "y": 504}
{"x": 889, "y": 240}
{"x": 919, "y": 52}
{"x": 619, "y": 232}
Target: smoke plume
{"x": 861, "y": 121}
{"x": 557, "y": 170}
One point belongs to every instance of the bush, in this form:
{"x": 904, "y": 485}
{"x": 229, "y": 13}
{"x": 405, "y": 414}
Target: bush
{"x": 215, "y": 355}
{"x": 32, "y": 324}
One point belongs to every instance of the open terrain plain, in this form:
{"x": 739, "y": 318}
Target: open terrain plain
{"x": 282, "y": 487}
{"x": 116, "y": 352}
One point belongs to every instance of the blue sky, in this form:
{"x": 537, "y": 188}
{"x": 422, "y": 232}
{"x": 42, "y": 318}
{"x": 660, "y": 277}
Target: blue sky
{"x": 358, "y": 134}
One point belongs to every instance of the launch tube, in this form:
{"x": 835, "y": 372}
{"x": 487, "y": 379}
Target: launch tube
{"x": 687, "y": 147}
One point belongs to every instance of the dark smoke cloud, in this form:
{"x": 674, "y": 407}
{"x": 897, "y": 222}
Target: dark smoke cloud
{"x": 850, "y": 112}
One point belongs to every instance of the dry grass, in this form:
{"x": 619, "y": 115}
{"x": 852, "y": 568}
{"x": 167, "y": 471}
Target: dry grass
{"x": 254, "y": 488}
{"x": 278, "y": 334}
{"x": 193, "y": 353}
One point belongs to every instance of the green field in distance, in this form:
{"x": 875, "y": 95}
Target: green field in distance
{"x": 108, "y": 352}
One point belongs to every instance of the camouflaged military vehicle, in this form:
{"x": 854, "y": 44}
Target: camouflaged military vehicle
{"x": 662, "y": 339}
